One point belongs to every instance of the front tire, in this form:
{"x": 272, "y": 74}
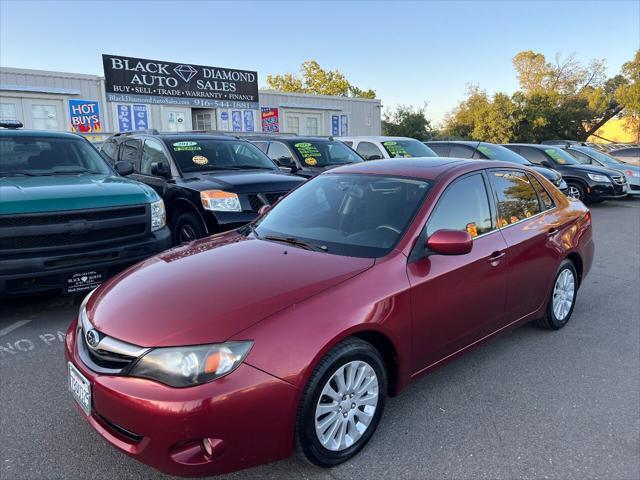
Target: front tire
{"x": 342, "y": 403}
{"x": 562, "y": 298}
{"x": 577, "y": 191}
{"x": 186, "y": 228}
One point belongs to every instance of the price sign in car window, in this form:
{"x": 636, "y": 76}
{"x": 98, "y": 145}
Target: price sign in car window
{"x": 396, "y": 149}
{"x": 555, "y": 155}
{"x": 309, "y": 152}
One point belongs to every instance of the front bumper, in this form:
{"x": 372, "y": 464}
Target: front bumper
{"x": 607, "y": 191}
{"x": 217, "y": 222}
{"x": 634, "y": 185}
{"x": 249, "y": 415}
{"x": 22, "y": 274}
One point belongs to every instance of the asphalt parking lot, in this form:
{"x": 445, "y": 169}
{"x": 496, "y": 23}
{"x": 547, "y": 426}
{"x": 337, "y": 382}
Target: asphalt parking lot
{"x": 531, "y": 404}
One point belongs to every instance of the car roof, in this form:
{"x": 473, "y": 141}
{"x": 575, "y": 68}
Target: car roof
{"x": 534, "y": 145}
{"x": 288, "y": 138}
{"x": 173, "y": 137}
{"x": 427, "y": 168}
{"x": 38, "y": 133}
{"x": 375, "y": 138}
{"x": 459, "y": 142}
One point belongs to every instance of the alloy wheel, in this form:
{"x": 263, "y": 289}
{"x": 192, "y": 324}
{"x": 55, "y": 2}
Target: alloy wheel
{"x": 346, "y": 405}
{"x": 563, "y": 294}
{"x": 187, "y": 234}
{"x": 574, "y": 192}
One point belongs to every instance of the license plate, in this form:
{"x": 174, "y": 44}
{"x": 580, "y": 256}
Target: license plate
{"x": 80, "y": 388}
{"x": 81, "y": 281}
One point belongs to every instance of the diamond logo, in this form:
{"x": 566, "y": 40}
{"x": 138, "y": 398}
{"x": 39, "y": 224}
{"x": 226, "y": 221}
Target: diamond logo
{"x": 185, "y": 72}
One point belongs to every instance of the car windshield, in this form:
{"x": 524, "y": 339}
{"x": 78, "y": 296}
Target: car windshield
{"x": 323, "y": 153}
{"x": 349, "y": 214}
{"x": 407, "y": 148}
{"x": 498, "y": 152}
{"x": 598, "y": 155}
{"x": 560, "y": 156}
{"x": 202, "y": 155}
{"x": 39, "y": 156}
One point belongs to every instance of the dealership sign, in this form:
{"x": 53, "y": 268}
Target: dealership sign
{"x": 137, "y": 80}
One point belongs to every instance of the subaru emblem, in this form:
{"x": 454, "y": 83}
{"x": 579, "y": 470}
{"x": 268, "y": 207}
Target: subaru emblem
{"x": 93, "y": 338}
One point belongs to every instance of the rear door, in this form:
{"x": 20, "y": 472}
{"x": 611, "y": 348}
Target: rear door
{"x": 458, "y": 299}
{"x": 529, "y": 222}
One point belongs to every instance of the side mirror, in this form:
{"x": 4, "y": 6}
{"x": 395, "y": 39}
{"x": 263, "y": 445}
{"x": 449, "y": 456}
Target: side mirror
{"x": 263, "y": 209}
{"x": 160, "y": 169}
{"x": 375, "y": 156}
{"x": 546, "y": 163}
{"x": 124, "y": 168}
{"x": 450, "y": 242}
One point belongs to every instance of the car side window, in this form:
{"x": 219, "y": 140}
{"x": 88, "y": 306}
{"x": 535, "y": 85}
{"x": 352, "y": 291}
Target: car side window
{"x": 129, "y": 152}
{"x": 546, "y": 202}
{"x": 280, "y": 153}
{"x": 262, "y": 146}
{"x": 516, "y": 197}
{"x": 582, "y": 158}
{"x": 368, "y": 150}
{"x": 461, "y": 151}
{"x": 442, "y": 149}
{"x": 152, "y": 152}
{"x": 463, "y": 206}
{"x": 533, "y": 155}
{"x": 110, "y": 150}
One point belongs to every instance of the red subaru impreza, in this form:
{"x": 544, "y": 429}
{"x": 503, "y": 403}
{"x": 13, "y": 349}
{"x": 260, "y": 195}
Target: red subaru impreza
{"x": 291, "y": 332}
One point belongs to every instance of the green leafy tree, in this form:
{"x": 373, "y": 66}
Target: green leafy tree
{"x": 628, "y": 94}
{"x": 314, "y": 79}
{"x": 406, "y": 121}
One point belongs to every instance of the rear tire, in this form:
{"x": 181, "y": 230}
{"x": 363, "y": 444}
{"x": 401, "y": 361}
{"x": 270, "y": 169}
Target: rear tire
{"x": 562, "y": 298}
{"x": 186, "y": 228}
{"x": 342, "y": 404}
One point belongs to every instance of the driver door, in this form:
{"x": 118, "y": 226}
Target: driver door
{"x": 457, "y": 300}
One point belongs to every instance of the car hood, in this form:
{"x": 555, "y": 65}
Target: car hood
{"x": 567, "y": 169}
{"x": 246, "y": 181}
{"x": 211, "y": 289}
{"x": 552, "y": 175}
{"x": 70, "y": 192}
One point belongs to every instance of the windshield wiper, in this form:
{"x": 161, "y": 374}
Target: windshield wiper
{"x": 16, "y": 173}
{"x": 250, "y": 228}
{"x": 73, "y": 172}
{"x": 297, "y": 242}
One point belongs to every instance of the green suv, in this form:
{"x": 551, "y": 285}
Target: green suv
{"x": 68, "y": 220}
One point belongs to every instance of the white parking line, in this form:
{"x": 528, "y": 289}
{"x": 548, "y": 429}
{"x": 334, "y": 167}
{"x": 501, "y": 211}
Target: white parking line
{"x": 13, "y": 326}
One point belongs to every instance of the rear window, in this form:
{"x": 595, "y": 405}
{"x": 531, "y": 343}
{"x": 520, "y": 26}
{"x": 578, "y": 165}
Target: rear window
{"x": 39, "y": 156}
{"x": 202, "y": 155}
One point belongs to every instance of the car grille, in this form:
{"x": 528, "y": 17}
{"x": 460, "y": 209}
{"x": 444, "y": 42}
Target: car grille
{"x": 619, "y": 180}
{"x": 258, "y": 200}
{"x": 61, "y": 230}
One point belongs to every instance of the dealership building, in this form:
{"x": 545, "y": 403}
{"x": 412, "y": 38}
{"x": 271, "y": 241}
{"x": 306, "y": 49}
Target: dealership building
{"x": 139, "y": 94}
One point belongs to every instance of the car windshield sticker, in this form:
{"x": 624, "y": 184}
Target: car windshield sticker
{"x": 396, "y": 150}
{"x": 555, "y": 155}
{"x": 486, "y": 151}
{"x": 200, "y": 160}
{"x": 186, "y": 147}
{"x": 309, "y": 152}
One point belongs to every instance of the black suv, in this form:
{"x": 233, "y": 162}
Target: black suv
{"x": 209, "y": 183}
{"x": 491, "y": 151}
{"x": 305, "y": 156}
{"x": 586, "y": 182}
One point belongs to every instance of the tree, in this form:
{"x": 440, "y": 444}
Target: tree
{"x": 628, "y": 94}
{"x": 314, "y": 79}
{"x": 407, "y": 122}
{"x": 559, "y": 99}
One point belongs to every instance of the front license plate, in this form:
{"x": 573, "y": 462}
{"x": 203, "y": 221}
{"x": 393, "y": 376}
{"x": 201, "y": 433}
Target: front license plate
{"x": 81, "y": 281}
{"x": 80, "y": 388}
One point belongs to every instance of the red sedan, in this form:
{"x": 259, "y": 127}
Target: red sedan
{"x": 291, "y": 332}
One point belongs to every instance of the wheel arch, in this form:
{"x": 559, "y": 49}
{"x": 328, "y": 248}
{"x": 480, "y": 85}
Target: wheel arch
{"x": 576, "y": 259}
{"x": 383, "y": 344}
{"x": 182, "y": 205}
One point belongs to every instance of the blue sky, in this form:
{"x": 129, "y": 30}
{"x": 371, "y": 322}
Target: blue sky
{"x": 409, "y": 52}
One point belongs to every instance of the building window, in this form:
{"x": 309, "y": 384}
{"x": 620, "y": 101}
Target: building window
{"x": 203, "y": 121}
{"x": 44, "y": 117}
{"x": 8, "y": 111}
{"x": 312, "y": 126}
{"x": 293, "y": 124}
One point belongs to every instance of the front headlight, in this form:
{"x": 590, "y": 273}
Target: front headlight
{"x": 599, "y": 178}
{"x": 158, "y": 215}
{"x": 220, "y": 201}
{"x": 188, "y": 366}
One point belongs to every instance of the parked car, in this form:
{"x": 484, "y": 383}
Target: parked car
{"x": 293, "y": 330}
{"x": 491, "y": 151}
{"x": 305, "y": 156}
{"x": 376, "y": 148}
{"x": 210, "y": 183}
{"x": 589, "y": 156}
{"x": 68, "y": 221}
{"x": 587, "y": 183}
{"x": 627, "y": 155}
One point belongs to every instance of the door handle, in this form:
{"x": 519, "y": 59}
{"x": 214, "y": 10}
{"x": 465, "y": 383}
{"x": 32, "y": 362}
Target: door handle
{"x": 495, "y": 257}
{"x": 552, "y": 231}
